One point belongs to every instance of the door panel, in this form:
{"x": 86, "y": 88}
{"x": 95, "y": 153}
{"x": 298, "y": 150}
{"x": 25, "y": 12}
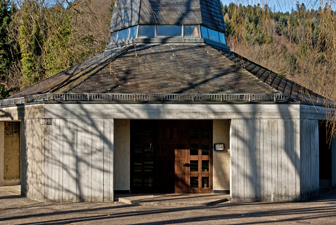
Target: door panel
{"x": 200, "y": 145}
{"x": 171, "y": 156}
{"x": 181, "y": 171}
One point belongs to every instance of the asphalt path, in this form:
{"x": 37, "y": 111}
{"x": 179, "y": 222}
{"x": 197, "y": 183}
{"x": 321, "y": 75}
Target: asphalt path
{"x": 321, "y": 210}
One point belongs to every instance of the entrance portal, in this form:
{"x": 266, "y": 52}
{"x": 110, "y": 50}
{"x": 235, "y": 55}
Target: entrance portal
{"x": 325, "y": 160}
{"x": 10, "y": 153}
{"x": 171, "y": 156}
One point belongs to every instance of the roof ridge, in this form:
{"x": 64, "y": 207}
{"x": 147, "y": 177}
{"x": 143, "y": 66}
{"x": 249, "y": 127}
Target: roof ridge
{"x": 282, "y": 84}
{"x": 86, "y": 75}
{"x": 74, "y": 67}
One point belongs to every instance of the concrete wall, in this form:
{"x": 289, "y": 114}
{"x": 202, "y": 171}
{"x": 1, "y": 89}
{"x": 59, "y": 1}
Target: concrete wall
{"x": 32, "y": 152}
{"x": 122, "y": 155}
{"x": 221, "y": 159}
{"x": 79, "y": 160}
{"x": 173, "y": 111}
{"x": 11, "y": 113}
{"x": 72, "y": 159}
{"x": 2, "y": 152}
{"x": 32, "y": 147}
{"x": 265, "y": 160}
{"x": 258, "y": 146}
{"x": 309, "y": 142}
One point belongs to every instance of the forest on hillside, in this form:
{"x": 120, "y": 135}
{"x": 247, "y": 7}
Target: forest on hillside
{"x": 299, "y": 45}
{"x": 39, "y": 38}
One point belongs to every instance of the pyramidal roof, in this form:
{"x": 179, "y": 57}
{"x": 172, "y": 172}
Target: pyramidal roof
{"x": 166, "y": 69}
{"x": 128, "y": 13}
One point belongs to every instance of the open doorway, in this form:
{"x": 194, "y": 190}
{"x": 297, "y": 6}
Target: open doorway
{"x": 325, "y": 161}
{"x": 10, "y": 153}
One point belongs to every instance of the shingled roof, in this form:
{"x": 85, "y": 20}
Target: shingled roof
{"x": 183, "y": 67}
{"x": 128, "y": 13}
{"x": 176, "y": 69}
{"x": 168, "y": 68}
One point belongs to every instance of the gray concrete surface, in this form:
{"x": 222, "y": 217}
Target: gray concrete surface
{"x": 174, "y": 200}
{"x": 10, "y": 198}
{"x": 72, "y": 159}
{"x": 321, "y": 210}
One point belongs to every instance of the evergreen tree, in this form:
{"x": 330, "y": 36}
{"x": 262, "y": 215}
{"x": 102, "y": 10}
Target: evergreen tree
{"x": 26, "y": 53}
{"x": 58, "y": 47}
{"x": 5, "y": 20}
{"x": 31, "y": 46}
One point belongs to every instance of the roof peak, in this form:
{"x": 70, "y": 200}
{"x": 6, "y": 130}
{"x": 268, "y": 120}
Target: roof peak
{"x": 128, "y": 13}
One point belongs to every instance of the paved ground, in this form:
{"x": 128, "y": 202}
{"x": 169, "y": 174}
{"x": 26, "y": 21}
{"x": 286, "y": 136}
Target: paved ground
{"x": 174, "y": 199}
{"x": 318, "y": 211}
{"x": 10, "y": 198}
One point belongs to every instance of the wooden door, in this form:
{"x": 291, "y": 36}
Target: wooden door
{"x": 200, "y": 157}
{"x": 170, "y": 135}
{"x": 12, "y": 151}
{"x": 182, "y": 171}
{"x": 171, "y": 156}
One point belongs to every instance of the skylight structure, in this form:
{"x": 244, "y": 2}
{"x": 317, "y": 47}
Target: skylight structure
{"x": 165, "y": 21}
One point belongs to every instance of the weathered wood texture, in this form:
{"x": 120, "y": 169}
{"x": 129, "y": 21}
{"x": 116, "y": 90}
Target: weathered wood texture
{"x": 265, "y": 160}
{"x": 79, "y": 160}
{"x": 309, "y": 141}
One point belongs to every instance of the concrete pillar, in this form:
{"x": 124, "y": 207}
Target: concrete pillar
{"x": 122, "y": 156}
{"x": 2, "y": 152}
{"x": 333, "y": 162}
{"x": 221, "y": 159}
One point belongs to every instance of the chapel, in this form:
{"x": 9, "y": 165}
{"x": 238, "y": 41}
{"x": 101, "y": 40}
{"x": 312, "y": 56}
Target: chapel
{"x": 167, "y": 107}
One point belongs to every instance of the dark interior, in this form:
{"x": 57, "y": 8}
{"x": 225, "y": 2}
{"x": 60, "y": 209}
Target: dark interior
{"x": 325, "y": 155}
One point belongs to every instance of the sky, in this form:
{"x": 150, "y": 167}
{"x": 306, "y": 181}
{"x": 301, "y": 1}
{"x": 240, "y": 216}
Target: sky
{"x": 282, "y": 5}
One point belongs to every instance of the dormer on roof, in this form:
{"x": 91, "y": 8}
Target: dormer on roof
{"x": 164, "y": 21}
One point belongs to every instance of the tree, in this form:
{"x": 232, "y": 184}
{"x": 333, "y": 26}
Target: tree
{"x": 31, "y": 44}
{"x": 5, "y": 20}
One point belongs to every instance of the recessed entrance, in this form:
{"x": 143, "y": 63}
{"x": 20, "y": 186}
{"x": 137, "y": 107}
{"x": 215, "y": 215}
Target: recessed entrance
{"x": 325, "y": 152}
{"x": 10, "y": 153}
{"x": 171, "y": 156}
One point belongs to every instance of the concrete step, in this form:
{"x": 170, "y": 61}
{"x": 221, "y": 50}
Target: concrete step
{"x": 174, "y": 200}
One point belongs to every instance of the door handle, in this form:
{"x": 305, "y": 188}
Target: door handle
{"x": 185, "y": 164}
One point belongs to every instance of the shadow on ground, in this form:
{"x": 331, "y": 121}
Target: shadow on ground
{"x": 319, "y": 210}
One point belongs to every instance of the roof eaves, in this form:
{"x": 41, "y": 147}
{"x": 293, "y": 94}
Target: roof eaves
{"x": 91, "y": 71}
{"x": 269, "y": 77}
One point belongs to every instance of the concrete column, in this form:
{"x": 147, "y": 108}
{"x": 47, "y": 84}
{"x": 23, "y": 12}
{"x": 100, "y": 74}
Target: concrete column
{"x": 122, "y": 156}
{"x": 2, "y": 152}
{"x": 221, "y": 159}
{"x": 333, "y": 162}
